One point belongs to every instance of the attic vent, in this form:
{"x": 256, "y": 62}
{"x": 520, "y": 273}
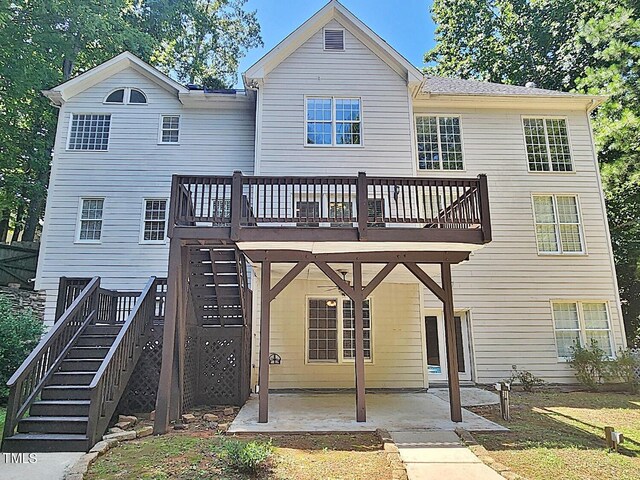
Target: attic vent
{"x": 334, "y": 39}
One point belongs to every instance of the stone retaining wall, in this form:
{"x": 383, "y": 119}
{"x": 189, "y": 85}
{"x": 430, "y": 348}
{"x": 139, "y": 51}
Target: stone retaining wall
{"x": 25, "y": 299}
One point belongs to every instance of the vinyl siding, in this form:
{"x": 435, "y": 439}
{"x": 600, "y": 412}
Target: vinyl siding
{"x": 356, "y": 72}
{"x": 212, "y": 141}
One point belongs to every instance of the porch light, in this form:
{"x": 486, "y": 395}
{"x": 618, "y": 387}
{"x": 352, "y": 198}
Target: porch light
{"x": 331, "y": 303}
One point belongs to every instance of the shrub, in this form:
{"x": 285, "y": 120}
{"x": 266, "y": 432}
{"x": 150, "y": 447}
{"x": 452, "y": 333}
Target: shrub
{"x": 590, "y": 364}
{"x": 248, "y": 457}
{"x": 623, "y": 369}
{"x": 527, "y": 379}
{"x": 20, "y": 331}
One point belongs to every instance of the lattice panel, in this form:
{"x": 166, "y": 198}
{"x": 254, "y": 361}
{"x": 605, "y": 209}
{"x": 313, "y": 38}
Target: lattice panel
{"x": 190, "y": 368}
{"x": 219, "y": 377}
{"x": 636, "y": 353}
{"x": 140, "y": 395}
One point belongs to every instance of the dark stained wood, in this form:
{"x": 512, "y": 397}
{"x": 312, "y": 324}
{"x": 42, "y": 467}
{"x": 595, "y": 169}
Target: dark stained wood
{"x": 455, "y": 403}
{"x": 161, "y": 423}
{"x": 236, "y": 205}
{"x": 426, "y": 280}
{"x": 288, "y": 278}
{"x": 265, "y": 320}
{"x": 363, "y": 206}
{"x": 289, "y": 256}
{"x": 484, "y": 208}
{"x": 375, "y": 281}
{"x": 338, "y": 280}
{"x": 358, "y": 303}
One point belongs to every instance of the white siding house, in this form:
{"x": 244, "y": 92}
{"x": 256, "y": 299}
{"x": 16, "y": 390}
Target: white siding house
{"x": 518, "y": 301}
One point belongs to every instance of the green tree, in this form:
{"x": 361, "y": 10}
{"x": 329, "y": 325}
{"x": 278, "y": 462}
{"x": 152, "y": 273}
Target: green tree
{"x": 590, "y": 46}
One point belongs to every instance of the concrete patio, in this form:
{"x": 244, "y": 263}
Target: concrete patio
{"x": 335, "y": 412}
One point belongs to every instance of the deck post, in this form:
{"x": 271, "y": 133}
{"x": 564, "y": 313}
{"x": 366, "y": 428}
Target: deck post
{"x": 450, "y": 340}
{"x": 161, "y": 423}
{"x": 358, "y": 305}
{"x": 363, "y": 205}
{"x": 265, "y": 318}
{"x": 236, "y": 205}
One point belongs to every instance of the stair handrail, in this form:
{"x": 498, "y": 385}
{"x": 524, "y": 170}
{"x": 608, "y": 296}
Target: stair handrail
{"x": 43, "y": 361}
{"x": 114, "y": 372}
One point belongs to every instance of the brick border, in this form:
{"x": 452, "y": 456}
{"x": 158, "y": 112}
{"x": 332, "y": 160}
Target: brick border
{"x": 483, "y": 454}
{"x": 399, "y": 471}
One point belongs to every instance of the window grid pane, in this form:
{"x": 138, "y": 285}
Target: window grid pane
{"x": 559, "y": 145}
{"x": 170, "y": 129}
{"x": 155, "y": 215}
{"x": 319, "y": 121}
{"x": 557, "y": 224}
{"x": 323, "y": 330}
{"x": 349, "y": 330}
{"x": 545, "y": 219}
{"x": 567, "y": 325}
{"x": 427, "y": 137}
{"x": 91, "y": 219}
{"x": 348, "y": 121}
{"x": 596, "y": 323}
{"x": 89, "y": 132}
{"x": 595, "y": 326}
{"x": 450, "y": 143}
{"x": 537, "y": 152}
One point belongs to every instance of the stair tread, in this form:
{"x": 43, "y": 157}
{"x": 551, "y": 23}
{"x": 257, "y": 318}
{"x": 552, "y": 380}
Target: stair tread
{"x": 46, "y": 418}
{"x": 71, "y": 372}
{"x": 46, "y": 436}
{"x": 68, "y": 387}
{"x": 63, "y": 402}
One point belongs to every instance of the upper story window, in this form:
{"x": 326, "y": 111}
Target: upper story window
{"x": 89, "y": 132}
{"x": 169, "y": 129}
{"x": 126, "y": 96}
{"x": 439, "y": 142}
{"x": 558, "y": 228}
{"x": 90, "y": 220}
{"x": 334, "y": 39}
{"x": 547, "y": 142}
{"x": 154, "y": 224}
{"x": 333, "y": 121}
{"x": 581, "y": 324}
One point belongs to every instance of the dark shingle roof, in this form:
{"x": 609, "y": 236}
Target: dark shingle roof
{"x": 456, "y": 86}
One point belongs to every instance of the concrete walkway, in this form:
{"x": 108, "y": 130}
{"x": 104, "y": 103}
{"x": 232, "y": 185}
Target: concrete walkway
{"x": 43, "y": 466}
{"x": 437, "y": 455}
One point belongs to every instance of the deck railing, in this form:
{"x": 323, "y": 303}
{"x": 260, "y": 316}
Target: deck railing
{"x": 27, "y": 382}
{"x": 362, "y": 202}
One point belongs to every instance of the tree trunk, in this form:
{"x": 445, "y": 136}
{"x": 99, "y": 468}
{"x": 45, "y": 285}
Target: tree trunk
{"x": 18, "y": 224}
{"x": 4, "y": 225}
{"x": 36, "y": 207}
{"x": 67, "y": 69}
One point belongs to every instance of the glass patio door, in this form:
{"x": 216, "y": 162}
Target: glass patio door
{"x": 436, "y": 346}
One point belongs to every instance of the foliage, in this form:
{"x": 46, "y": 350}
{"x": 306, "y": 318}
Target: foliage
{"x": 20, "y": 331}
{"x": 249, "y": 457}
{"x": 590, "y": 364}
{"x": 623, "y": 369}
{"x": 590, "y": 46}
{"x": 527, "y": 379}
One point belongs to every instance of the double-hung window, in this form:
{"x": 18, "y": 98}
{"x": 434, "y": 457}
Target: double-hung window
{"x": 439, "y": 142}
{"x": 333, "y": 121}
{"x": 90, "y": 220}
{"x": 547, "y": 141}
{"x": 89, "y": 132}
{"x": 558, "y": 228}
{"x": 331, "y": 330}
{"x": 169, "y": 129}
{"x": 581, "y": 324}
{"x": 154, "y": 223}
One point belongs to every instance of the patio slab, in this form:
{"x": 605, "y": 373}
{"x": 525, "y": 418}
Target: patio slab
{"x": 469, "y": 396}
{"x": 45, "y": 466}
{"x": 335, "y": 412}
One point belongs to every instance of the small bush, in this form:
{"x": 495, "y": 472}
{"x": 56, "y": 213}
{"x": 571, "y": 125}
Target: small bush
{"x": 623, "y": 369}
{"x": 590, "y": 364}
{"x": 527, "y": 379}
{"x": 248, "y": 457}
{"x": 20, "y": 332}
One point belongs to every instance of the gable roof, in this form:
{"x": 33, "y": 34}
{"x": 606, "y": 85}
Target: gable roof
{"x": 456, "y": 86}
{"x": 68, "y": 89}
{"x": 333, "y": 10}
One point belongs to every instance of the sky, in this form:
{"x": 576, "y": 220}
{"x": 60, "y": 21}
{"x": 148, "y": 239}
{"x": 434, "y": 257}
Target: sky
{"x": 405, "y": 24}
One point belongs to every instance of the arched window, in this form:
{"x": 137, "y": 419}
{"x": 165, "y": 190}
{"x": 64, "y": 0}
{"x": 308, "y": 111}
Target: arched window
{"x": 117, "y": 96}
{"x": 137, "y": 96}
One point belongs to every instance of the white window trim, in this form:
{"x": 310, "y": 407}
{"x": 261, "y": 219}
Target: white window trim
{"x": 426, "y": 171}
{"x": 126, "y": 97}
{"x": 333, "y": 122}
{"x": 340, "y": 336}
{"x": 546, "y": 139}
{"x": 560, "y": 252}
{"x": 162, "y": 115}
{"x": 79, "y": 221}
{"x": 70, "y": 123}
{"x": 344, "y": 40}
{"x": 141, "y": 240}
{"x": 582, "y": 333}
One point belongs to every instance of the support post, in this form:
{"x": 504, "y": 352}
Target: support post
{"x": 236, "y": 205}
{"x": 450, "y": 340}
{"x": 358, "y": 305}
{"x": 265, "y": 320}
{"x": 363, "y": 205}
{"x": 485, "y": 215}
{"x": 168, "y": 368}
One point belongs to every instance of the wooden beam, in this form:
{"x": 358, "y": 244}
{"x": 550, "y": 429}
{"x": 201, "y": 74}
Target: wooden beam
{"x": 382, "y": 274}
{"x": 291, "y": 256}
{"x": 177, "y": 401}
{"x": 265, "y": 320}
{"x": 426, "y": 280}
{"x": 288, "y": 278}
{"x": 335, "y": 278}
{"x": 358, "y": 304}
{"x": 452, "y": 349}
{"x": 161, "y": 423}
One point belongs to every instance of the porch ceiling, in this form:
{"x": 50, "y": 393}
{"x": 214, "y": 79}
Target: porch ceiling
{"x": 334, "y": 412}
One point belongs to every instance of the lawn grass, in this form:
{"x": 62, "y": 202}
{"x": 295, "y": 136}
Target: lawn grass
{"x": 561, "y": 435}
{"x": 184, "y": 456}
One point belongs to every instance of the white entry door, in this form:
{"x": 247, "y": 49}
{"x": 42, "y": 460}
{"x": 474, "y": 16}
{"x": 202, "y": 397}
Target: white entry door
{"x": 436, "y": 346}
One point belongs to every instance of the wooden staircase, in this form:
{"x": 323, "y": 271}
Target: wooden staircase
{"x": 65, "y": 393}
